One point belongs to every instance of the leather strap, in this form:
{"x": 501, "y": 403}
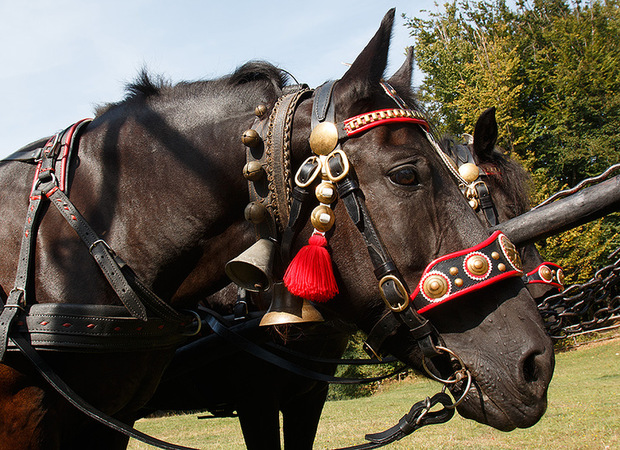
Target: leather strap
{"x": 217, "y": 324}
{"x": 96, "y": 329}
{"x": 74, "y": 399}
{"x": 17, "y": 297}
{"x": 98, "y": 248}
{"x": 418, "y": 416}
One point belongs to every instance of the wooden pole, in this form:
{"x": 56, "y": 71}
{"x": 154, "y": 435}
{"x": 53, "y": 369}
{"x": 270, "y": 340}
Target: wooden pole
{"x": 579, "y": 208}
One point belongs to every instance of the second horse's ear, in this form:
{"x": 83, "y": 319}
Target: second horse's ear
{"x": 485, "y": 135}
{"x": 402, "y": 77}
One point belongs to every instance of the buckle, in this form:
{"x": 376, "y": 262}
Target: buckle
{"x": 308, "y": 171}
{"x": 337, "y": 166}
{"x": 397, "y": 298}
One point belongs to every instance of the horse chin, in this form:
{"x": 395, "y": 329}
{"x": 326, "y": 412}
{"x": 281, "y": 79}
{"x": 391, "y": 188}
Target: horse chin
{"x": 499, "y": 414}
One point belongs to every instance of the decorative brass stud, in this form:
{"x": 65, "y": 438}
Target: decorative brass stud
{"x": 501, "y": 267}
{"x": 253, "y": 171}
{"x": 322, "y": 218}
{"x": 251, "y": 138}
{"x": 458, "y": 282}
{"x": 560, "y": 276}
{"x": 477, "y": 265}
{"x": 511, "y": 252}
{"x": 495, "y": 255}
{"x": 454, "y": 271}
{"x": 255, "y": 213}
{"x": 469, "y": 172}
{"x": 326, "y": 193}
{"x": 324, "y": 138}
{"x": 260, "y": 110}
{"x": 435, "y": 286}
{"x": 545, "y": 273}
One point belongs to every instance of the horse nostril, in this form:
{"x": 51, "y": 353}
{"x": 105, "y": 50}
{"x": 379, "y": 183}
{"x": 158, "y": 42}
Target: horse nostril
{"x": 531, "y": 371}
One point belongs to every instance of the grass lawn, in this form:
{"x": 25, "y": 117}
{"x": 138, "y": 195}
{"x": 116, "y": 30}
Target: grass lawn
{"x": 583, "y": 413}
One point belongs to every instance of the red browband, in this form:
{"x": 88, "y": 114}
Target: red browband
{"x": 359, "y": 124}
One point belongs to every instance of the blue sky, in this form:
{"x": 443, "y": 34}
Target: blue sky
{"x": 61, "y": 58}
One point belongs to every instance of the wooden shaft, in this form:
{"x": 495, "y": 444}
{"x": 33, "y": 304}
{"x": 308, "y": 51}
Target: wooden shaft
{"x": 579, "y": 208}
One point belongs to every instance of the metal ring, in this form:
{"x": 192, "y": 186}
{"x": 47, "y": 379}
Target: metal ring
{"x": 198, "y": 320}
{"x": 98, "y": 241}
{"x": 441, "y": 380}
{"x": 465, "y": 391}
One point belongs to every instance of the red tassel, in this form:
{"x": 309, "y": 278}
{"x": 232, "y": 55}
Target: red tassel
{"x": 310, "y": 274}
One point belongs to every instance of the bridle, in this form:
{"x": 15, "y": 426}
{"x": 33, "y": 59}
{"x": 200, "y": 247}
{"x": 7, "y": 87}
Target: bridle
{"x": 328, "y": 169}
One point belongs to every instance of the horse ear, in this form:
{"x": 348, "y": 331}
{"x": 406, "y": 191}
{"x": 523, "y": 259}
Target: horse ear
{"x": 367, "y": 69}
{"x": 402, "y": 77}
{"x": 485, "y": 135}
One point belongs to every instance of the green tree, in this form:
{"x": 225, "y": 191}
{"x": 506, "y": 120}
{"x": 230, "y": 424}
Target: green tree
{"x": 552, "y": 69}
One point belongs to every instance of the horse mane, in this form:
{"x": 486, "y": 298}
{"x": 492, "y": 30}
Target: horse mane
{"x": 147, "y": 86}
{"x": 513, "y": 180}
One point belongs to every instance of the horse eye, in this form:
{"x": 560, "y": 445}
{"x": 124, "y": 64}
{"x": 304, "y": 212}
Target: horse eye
{"x": 404, "y": 176}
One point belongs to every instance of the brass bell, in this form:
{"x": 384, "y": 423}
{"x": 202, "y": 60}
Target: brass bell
{"x": 255, "y": 212}
{"x": 253, "y": 171}
{"x": 260, "y": 110}
{"x": 252, "y": 269}
{"x": 469, "y": 172}
{"x": 251, "y": 138}
{"x": 326, "y": 192}
{"x": 287, "y": 308}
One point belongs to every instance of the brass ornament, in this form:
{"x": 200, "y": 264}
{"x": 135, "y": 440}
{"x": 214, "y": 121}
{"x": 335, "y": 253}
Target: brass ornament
{"x": 511, "y": 253}
{"x": 459, "y": 282}
{"x": 501, "y": 267}
{"x": 326, "y": 192}
{"x": 324, "y": 138}
{"x": 260, "y": 110}
{"x": 560, "y": 276}
{"x": 253, "y": 171}
{"x": 469, "y": 172}
{"x": 454, "y": 271}
{"x": 322, "y": 218}
{"x": 477, "y": 265}
{"x": 252, "y": 269}
{"x": 474, "y": 203}
{"x": 435, "y": 286}
{"x": 495, "y": 255}
{"x": 285, "y": 308}
{"x": 255, "y": 212}
{"x": 545, "y": 273}
{"x": 251, "y": 138}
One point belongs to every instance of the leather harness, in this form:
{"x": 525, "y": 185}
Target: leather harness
{"x": 105, "y": 328}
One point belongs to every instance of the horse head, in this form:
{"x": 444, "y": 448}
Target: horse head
{"x": 413, "y": 210}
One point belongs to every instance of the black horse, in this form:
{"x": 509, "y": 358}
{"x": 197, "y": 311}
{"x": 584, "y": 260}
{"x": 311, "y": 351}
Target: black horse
{"x": 159, "y": 180}
{"x": 218, "y": 381}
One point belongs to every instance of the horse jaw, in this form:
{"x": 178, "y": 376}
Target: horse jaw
{"x": 508, "y": 353}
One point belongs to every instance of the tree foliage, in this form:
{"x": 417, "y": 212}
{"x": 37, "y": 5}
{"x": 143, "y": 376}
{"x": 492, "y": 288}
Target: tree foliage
{"x": 552, "y": 69}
